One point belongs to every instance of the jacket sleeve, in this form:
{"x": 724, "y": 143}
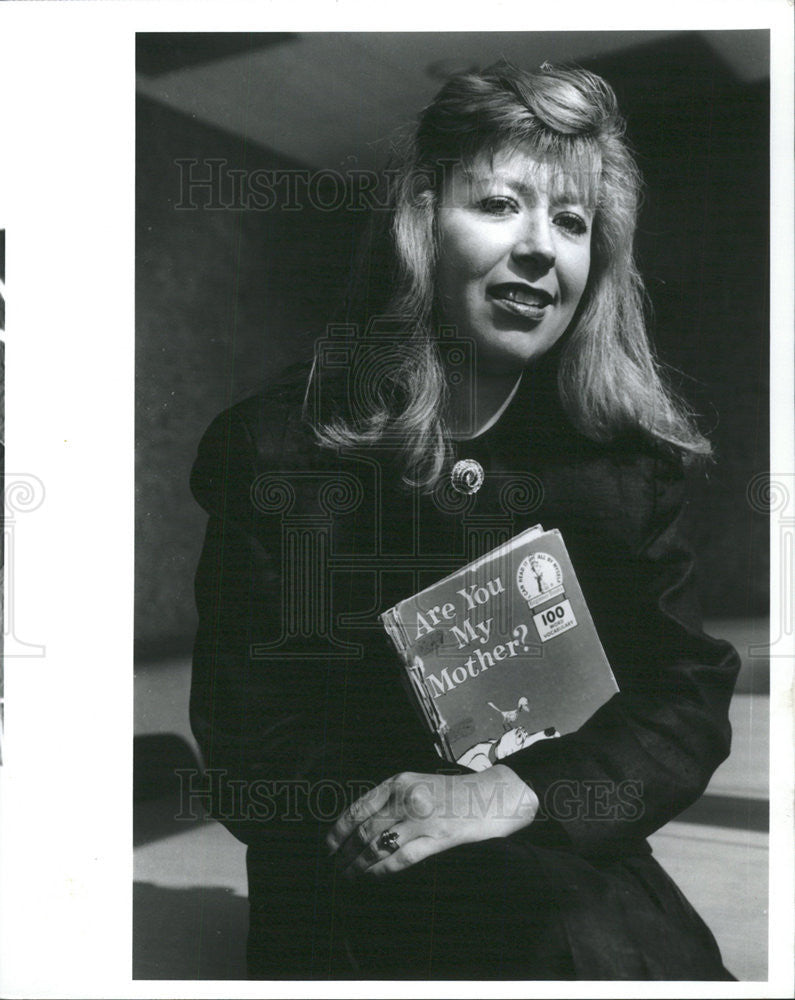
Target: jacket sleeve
{"x": 650, "y": 751}
{"x": 247, "y": 712}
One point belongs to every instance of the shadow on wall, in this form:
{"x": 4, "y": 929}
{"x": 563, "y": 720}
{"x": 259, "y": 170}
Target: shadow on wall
{"x": 194, "y": 932}
{"x": 197, "y": 933}
{"x": 225, "y": 300}
{"x": 158, "y": 759}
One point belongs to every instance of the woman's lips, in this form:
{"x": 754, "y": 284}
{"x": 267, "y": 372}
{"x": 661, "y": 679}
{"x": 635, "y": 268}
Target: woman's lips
{"x": 520, "y": 300}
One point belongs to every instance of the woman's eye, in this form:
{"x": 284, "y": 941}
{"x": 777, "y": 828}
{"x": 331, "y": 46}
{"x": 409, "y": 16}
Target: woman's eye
{"x": 572, "y": 223}
{"x": 498, "y": 205}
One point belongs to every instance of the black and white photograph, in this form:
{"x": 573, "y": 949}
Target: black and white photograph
{"x": 401, "y": 297}
{"x": 439, "y": 539}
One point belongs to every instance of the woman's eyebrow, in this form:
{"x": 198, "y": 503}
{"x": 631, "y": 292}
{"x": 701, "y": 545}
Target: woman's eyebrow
{"x": 511, "y": 180}
{"x": 564, "y": 192}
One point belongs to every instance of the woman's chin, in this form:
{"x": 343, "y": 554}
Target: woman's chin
{"x": 510, "y": 360}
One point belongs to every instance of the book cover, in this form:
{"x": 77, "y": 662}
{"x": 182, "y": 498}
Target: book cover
{"x": 503, "y": 652}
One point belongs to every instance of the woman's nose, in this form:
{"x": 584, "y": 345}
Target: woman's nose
{"x": 535, "y": 245}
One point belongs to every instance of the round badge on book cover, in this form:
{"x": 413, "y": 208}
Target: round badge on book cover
{"x": 539, "y": 578}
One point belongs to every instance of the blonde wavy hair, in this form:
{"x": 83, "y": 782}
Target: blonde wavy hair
{"x": 609, "y": 381}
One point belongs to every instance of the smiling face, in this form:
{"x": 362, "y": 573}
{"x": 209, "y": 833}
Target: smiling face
{"x": 514, "y": 256}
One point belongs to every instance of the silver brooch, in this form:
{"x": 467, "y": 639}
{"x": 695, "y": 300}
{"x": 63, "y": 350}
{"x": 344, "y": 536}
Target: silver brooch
{"x": 467, "y": 476}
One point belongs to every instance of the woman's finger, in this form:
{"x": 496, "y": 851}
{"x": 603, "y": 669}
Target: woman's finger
{"x": 381, "y": 847}
{"x": 364, "y": 835}
{"x": 357, "y": 813}
{"x": 409, "y": 853}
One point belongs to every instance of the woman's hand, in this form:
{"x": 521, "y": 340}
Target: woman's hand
{"x": 422, "y": 814}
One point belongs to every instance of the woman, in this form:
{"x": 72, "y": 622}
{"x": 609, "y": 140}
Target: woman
{"x": 511, "y": 333}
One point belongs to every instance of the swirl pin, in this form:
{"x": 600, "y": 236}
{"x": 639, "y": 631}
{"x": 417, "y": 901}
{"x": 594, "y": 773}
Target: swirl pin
{"x": 467, "y": 476}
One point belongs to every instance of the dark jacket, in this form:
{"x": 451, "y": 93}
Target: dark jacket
{"x": 294, "y": 678}
{"x": 297, "y": 706}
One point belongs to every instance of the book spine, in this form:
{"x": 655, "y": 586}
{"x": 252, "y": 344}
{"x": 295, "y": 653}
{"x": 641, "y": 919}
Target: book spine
{"x": 396, "y": 630}
{"x": 413, "y": 677}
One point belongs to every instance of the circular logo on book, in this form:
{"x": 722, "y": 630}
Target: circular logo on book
{"x": 539, "y": 578}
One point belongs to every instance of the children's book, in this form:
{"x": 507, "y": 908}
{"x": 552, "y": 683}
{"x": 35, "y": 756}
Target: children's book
{"x": 502, "y": 652}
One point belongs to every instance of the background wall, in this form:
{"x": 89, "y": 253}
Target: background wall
{"x": 224, "y": 300}
{"x": 227, "y": 298}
